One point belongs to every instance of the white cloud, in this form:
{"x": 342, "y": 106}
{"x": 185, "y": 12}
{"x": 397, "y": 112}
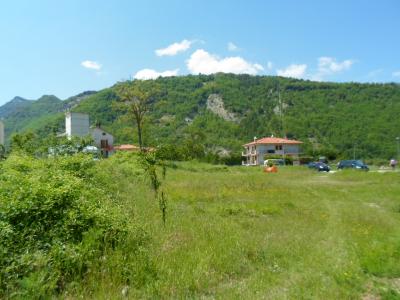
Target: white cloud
{"x": 89, "y": 64}
{"x": 270, "y": 65}
{"x": 329, "y": 65}
{"x": 205, "y": 63}
{"x": 232, "y": 47}
{"x": 174, "y": 48}
{"x": 294, "y": 71}
{"x": 396, "y": 74}
{"x": 146, "y": 74}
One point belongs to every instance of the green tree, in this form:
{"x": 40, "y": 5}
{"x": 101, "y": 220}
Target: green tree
{"x": 24, "y": 142}
{"x": 137, "y": 97}
{"x": 2, "y": 152}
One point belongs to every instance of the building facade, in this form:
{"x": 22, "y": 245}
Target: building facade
{"x": 102, "y": 140}
{"x": 76, "y": 124}
{"x": 257, "y": 151}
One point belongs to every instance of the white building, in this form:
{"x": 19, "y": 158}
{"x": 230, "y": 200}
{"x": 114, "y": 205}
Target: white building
{"x": 103, "y": 140}
{"x": 257, "y": 151}
{"x": 1, "y": 133}
{"x": 77, "y": 124}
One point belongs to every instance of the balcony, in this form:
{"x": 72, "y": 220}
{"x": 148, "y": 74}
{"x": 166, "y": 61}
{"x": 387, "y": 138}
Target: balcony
{"x": 249, "y": 153}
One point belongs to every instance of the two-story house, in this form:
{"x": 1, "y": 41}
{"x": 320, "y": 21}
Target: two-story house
{"x": 257, "y": 151}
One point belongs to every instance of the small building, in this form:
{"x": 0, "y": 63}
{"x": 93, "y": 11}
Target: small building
{"x": 257, "y": 151}
{"x": 102, "y": 140}
{"x": 1, "y": 133}
{"x": 132, "y": 148}
{"x": 77, "y": 124}
{"x": 127, "y": 147}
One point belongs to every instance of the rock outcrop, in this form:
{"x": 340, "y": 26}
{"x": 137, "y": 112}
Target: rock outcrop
{"x": 216, "y": 105}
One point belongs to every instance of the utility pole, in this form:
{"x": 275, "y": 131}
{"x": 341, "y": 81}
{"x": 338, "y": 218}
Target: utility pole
{"x": 354, "y": 151}
{"x": 398, "y": 148}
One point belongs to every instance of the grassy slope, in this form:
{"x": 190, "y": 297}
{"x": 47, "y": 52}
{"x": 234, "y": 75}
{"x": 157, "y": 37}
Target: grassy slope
{"x": 238, "y": 233}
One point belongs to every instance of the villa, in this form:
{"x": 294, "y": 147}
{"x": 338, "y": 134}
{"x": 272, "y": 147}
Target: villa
{"x": 257, "y": 151}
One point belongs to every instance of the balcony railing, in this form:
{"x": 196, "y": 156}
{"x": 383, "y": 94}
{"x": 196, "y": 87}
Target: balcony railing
{"x": 249, "y": 153}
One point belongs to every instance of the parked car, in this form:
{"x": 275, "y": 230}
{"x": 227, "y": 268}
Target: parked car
{"x": 274, "y": 161}
{"x": 323, "y": 159}
{"x": 311, "y": 165}
{"x": 352, "y": 164}
{"x": 320, "y": 166}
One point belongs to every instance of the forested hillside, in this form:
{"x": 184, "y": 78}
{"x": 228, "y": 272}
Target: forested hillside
{"x": 13, "y": 106}
{"x": 44, "y": 114}
{"x": 226, "y": 110}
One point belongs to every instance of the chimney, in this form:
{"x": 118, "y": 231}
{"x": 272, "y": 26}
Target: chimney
{"x": 254, "y": 139}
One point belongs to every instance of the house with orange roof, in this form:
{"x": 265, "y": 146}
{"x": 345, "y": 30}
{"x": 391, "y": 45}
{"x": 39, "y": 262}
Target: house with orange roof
{"x": 132, "y": 148}
{"x": 127, "y": 147}
{"x": 258, "y": 150}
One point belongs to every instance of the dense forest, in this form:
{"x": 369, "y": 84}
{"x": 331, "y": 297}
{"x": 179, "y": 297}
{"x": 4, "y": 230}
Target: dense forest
{"x": 334, "y": 119}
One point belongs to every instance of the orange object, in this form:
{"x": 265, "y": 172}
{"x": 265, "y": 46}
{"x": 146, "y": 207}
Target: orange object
{"x": 272, "y": 169}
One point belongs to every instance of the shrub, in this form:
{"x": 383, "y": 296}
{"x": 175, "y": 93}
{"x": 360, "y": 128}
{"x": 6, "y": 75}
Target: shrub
{"x": 53, "y": 224}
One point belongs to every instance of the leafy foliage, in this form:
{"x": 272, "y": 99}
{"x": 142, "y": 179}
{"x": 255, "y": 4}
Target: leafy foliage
{"x": 136, "y": 97}
{"x": 332, "y": 119}
{"x": 54, "y": 224}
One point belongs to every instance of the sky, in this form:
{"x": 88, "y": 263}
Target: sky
{"x": 66, "y": 47}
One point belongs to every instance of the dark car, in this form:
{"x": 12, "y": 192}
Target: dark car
{"x": 352, "y": 164}
{"x": 320, "y": 166}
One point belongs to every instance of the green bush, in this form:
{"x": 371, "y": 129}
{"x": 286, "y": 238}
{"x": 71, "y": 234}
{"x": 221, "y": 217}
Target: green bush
{"x": 54, "y": 224}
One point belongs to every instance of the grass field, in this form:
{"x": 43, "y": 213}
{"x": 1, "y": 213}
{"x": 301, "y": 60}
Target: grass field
{"x": 238, "y": 233}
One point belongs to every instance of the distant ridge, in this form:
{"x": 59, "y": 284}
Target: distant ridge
{"x": 332, "y": 119}
{"x": 13, "y": 106}
{"x": 20, "y": 114}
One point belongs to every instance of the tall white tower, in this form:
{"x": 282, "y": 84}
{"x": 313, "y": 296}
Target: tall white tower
{"x": 1, "y": 133}
{"x": 76, "y": 124}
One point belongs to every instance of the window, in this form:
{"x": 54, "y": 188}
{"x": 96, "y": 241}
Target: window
{"x": 278, "y": 147}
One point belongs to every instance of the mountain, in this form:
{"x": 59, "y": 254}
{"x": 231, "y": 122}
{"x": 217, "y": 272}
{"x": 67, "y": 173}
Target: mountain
{"x": 73, "y": 101}
{"x": 33, "y": 115}
{"x": 228, "y": 110}
{"x": 14, "y": 105}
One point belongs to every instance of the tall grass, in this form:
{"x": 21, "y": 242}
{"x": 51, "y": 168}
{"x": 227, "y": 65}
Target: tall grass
{"x": 238, "y": 233}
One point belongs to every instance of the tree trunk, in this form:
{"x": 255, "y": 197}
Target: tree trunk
{"x": 139, "y": 129}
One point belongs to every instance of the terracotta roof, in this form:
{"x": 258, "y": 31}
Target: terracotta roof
{"x": 126, "y": 147}
{"x": 273, "y": 140}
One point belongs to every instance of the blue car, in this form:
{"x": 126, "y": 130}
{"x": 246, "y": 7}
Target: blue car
{"x": 352, "y": 164}
{"x": 319, "y": 166}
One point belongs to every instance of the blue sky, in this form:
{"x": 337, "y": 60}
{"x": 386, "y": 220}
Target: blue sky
{"x": 66, "y": 47}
